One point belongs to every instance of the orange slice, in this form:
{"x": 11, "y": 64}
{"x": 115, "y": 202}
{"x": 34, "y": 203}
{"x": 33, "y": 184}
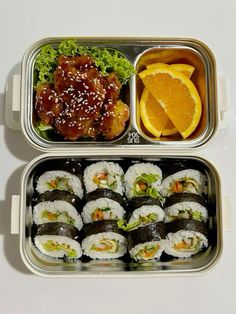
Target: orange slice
{"x": 186, "y": 69}
{"x": 152, "y": 114}
{"x": 177, "y": 95}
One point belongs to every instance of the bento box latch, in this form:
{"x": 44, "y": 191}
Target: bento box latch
{"x": 12, "y": 102}
{"x": 227, "y": 217}
{"x": 224, "y": 107}
{"x": 15, "y": 214}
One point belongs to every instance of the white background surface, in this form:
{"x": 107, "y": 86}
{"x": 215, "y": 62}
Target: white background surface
{"x": 24, "y": 22}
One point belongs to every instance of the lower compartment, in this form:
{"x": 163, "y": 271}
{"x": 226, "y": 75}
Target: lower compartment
{"x": 125, "y": 264}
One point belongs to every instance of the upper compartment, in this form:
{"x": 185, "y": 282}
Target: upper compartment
{"x": 111, "y": 62}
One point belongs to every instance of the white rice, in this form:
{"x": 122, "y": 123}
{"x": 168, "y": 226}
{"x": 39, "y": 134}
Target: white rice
{"x": 55, "y": 207}
{"x": 40, "y": 240}
{"x": 94, "y": 239}
{"x": 73, "y": 181}
{"x": 174, "y": 238}
{"x": 137, "y": 170}
{"x": 144, "y": 211}
{"x": 135, "y": 250}
{"x": 174, "y": 210}
{"x": 116, "y": 210}
{"x": 114, "y": 171}
{"x": 182, "y": 175}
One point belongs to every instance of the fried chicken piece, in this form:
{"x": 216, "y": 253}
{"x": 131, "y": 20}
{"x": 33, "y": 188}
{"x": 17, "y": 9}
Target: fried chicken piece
{"x": 47, "y": 104}
{"x": 112, "y": 86}
{"x": 118, "y": 119}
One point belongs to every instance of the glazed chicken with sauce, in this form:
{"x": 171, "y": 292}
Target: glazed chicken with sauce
{"x": 82, "y": 102}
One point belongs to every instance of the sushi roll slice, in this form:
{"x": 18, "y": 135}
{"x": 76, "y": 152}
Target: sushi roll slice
{"x": 184, "y": 181}
{"x": 57, "y": 206}
{"x": 143, "y": 179}
{"x": 104, "y": 240}
{"x": 142, "y": 211}
{"x": 185, "y": 205}
{"x": 185, "y": 238}
{"x": 102, "y": 209}
{"x": 144, "y": 215}
{"x": 58, "y": 240}
{"x": 59, "y": 180}
{"x": 57, "y": 211}
{"x": 104, "y": 175}
{"x": 147, "y": 243}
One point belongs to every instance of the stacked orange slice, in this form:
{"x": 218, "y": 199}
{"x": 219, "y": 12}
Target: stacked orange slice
{"x": 170, "y": 102}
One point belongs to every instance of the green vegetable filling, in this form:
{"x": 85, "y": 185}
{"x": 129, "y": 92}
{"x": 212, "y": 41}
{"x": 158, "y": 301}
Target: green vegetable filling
{"x": 54, "y": 246}
{"x": 147, "y": 252}
{"x": 184, "y": 184}
{"x": 142, "y": 220}
{"x": 106, "y": 245}
{"x": 60, "y": 183}
{"x": 104, "y": 180}
{"x": 188, "y": 214}
{"x": 143, "y": 185}
{"x": 58, "y": 216}
{"x": 191, "y": 244}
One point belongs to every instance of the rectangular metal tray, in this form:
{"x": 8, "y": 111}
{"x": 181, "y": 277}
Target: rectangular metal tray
{"x": 195, "y": 265}
{"x": 140, "y": 52}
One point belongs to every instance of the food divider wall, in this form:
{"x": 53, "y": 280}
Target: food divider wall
{"x": 146, "y": 232}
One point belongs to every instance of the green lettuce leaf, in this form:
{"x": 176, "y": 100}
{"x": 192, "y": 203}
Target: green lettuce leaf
{"x": 45, "y": 64}
{"x": 68, "y": 48}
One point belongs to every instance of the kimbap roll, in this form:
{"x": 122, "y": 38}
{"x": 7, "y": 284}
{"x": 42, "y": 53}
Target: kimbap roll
{"x": 143, "y": 179}
{"x": 57, "y": 211}
{"x": 184, "y": 181}
{"x": 104, "y": 175}
{"x": 142, "y": 213}
{"x": 58, "y": 240}
{"x": 102, "y": 209}
{"x": 185, "y": 238}
{"x": 59, "y": 180}
{"x": 147, "y": 243}
{"x": 104, "y": 240}
{"x": 185, "y": 205}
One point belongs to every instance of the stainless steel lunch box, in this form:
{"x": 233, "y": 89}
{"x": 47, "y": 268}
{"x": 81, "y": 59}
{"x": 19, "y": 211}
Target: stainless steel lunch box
{"x": 22, "y": 221}
{"x": 134, "y": 143}
{"x": 140, "y": 52}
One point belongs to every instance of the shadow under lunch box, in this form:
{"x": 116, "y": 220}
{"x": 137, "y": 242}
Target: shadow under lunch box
{"x": 134, "y": 145}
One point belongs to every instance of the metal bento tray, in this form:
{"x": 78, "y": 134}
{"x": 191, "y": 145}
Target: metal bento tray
{"x": 22, "y": 222}
{"x": 140, "y": 52}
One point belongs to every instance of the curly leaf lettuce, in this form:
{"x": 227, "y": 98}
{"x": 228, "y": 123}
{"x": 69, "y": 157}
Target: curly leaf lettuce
{"x": 45, "y": 64}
